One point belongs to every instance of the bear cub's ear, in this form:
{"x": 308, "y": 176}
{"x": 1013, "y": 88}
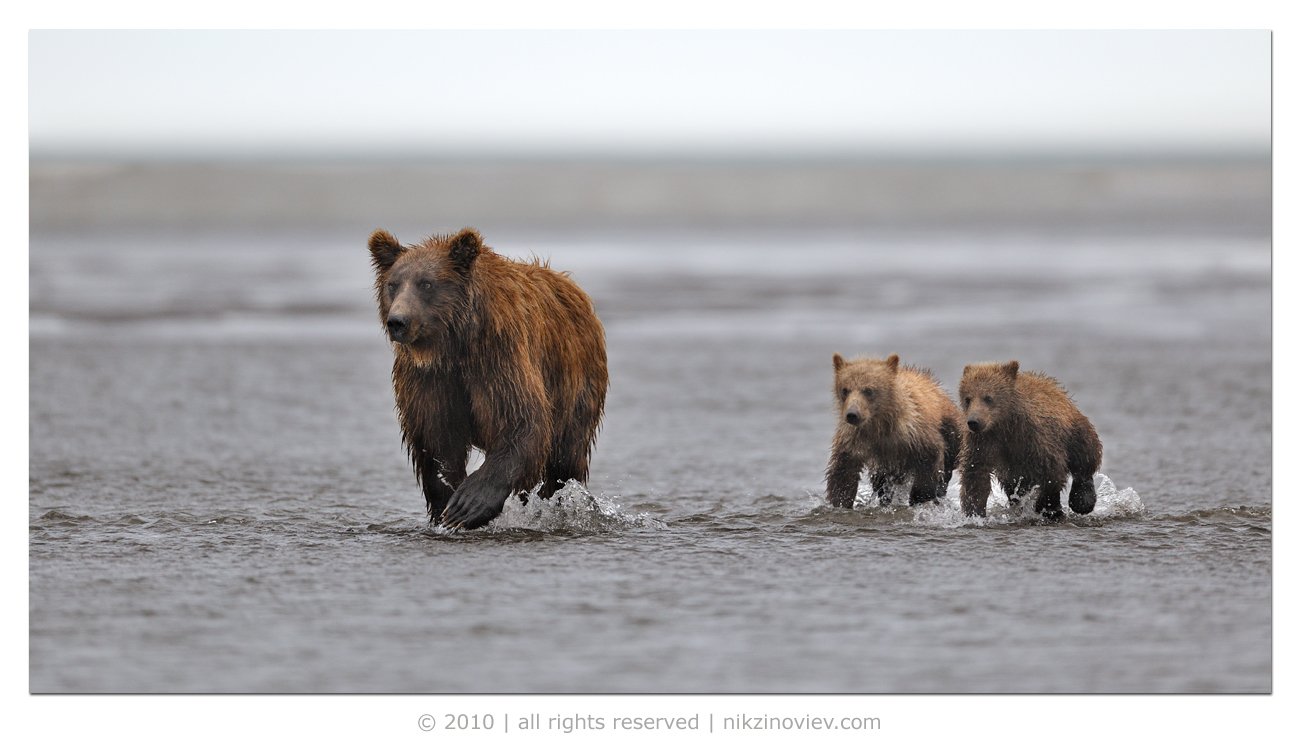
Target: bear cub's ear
{"x": 465, "y": 247}
{"x": 384, "y": 250}
{"x": 892, "y": 362}
{"x": 837, "y": 361}
{"x": 1011, "y": 369}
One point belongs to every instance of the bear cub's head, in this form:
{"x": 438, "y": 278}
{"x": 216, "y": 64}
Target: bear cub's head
{"x": 987, "y": 390}
{"x": 422, "y": 289}
{"x": 864, "y": 389}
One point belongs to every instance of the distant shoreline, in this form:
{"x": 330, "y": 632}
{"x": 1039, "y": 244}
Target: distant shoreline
{"x": 1203, "y": 194}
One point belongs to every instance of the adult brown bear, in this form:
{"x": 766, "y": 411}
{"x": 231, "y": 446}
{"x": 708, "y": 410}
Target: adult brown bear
{"x": 491, "y": 353}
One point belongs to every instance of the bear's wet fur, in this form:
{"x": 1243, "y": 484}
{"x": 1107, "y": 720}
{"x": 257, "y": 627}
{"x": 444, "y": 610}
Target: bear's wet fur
{"x": 505, "y": 356}
{"x": 1023, "y": 428}
{"x": 899, "y": 424}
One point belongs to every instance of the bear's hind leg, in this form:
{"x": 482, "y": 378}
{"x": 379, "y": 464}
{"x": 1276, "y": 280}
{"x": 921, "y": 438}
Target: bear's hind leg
{"x": 951, "y": 432}
{"x": 1083, "y": 459}
{"x": 560, "y": 472}
{"x": 1083, "y": 495}
{"x": 571, "y": 450}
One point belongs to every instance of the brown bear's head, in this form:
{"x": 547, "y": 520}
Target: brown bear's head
{"x": 864, "y": 389}
{"x": 423, "y": 289}
{"x": 987, "y": 391}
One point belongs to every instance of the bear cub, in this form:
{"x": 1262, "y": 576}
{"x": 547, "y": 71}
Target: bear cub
{"x": 1024, "y": 429}
{"x": 899, "y": 424}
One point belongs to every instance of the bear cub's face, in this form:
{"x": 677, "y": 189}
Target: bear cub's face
{"x": 421, "y": 289}
{"x": 864, "y": 388}
{"x": 986, "y": 390}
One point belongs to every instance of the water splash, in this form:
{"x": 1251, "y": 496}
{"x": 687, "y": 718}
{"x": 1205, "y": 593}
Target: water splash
{"x": 573, "y": 509}
{"x": 1112, "y": 503}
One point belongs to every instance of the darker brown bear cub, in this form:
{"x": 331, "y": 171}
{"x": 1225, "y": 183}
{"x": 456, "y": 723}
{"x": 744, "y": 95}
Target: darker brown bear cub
{"x": 1025, "y": 430}
{"x": 897, "y": 422}
{"x": 493, "y": 353}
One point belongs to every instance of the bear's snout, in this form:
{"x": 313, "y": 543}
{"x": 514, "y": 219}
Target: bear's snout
{"x": 853, "y": 417}
{"x": 975, "y": 425}
{"x": 397, "y": 328}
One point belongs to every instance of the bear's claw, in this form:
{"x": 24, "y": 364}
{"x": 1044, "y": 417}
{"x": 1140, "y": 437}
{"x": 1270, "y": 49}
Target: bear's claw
{"x": 473, "y": 505}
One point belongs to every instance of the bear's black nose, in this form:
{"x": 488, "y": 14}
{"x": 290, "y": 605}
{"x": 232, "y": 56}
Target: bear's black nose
{"x": 853, "y": 418}
{"x": 397, "y": 328}
{"x": 974, "y": 425}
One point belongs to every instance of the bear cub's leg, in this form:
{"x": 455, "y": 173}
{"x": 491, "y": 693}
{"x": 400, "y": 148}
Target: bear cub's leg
{"x": 1082, "y": 459}
{"x": 884, "y": 483}
{"x": 928, "y": 481}
{"x": 1083, "y": 495}
{"x": 951, "y": 433}
{"x": 842, "y": 479}
{"x": 1015, "y": 487}
{"x": 1049, "y": 500}
{"x": 976, "y": 482}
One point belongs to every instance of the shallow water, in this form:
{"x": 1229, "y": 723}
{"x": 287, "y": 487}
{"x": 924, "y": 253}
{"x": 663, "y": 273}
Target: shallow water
{"x": 219, "y": 500}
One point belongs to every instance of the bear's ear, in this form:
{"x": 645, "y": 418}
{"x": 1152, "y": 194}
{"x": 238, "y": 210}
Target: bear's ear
{"x": 465, "y": 247}
{"x": 384, "y": 250}
{"x": 1011, "y": 369}
{"x": 837, "y": 361}
{"x": 966, "y": 370}
{"x": 892, "y": 362}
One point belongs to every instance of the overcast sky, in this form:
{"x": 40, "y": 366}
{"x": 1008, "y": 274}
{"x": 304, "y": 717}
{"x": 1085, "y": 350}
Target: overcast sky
{"x": 208, "y": 93}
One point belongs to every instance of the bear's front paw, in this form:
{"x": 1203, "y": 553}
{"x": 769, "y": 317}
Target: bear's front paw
{"x": 474, "y": 504}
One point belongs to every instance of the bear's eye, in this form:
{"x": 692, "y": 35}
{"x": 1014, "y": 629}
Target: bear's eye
{"x": 392, "y": 287}
{"x": 426, "y": 284}
{"x": 967, "y": 402}
{"x": 868, "y": 393}
{"x": 844, "y": 393}
{"x": 988, "y": 400}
